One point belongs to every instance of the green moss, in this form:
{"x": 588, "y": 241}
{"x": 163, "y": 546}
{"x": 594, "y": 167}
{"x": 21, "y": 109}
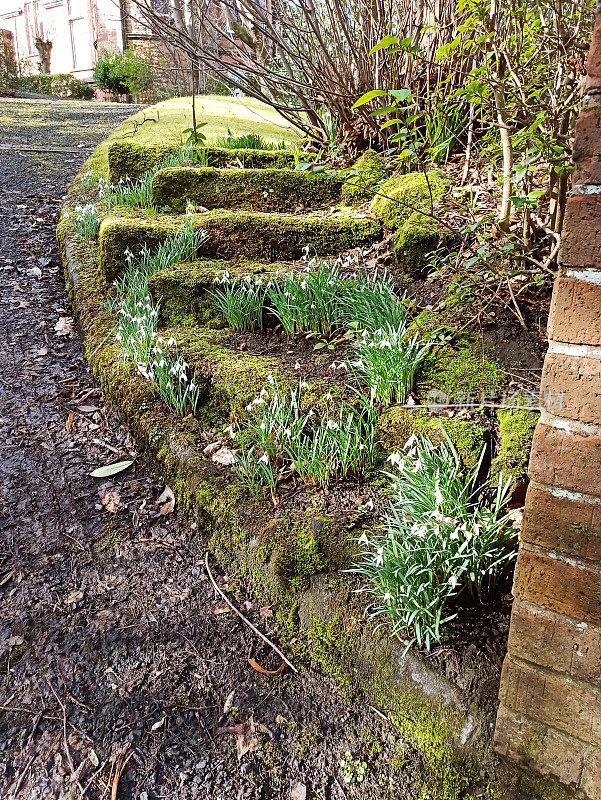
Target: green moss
{"x": 363, "y": 186}
{"x": 353, "y": 654}
{"x": 516, "y": 430}
{"x": 419, "y": 236}
{"x": 397, "y": 425}
{"x": 131, "y": 160}
{"x": 264, "y": 237}
{"x": 463, "y": 371}
{"x": 403, "y": 195}
{"x": 251, "y": 189}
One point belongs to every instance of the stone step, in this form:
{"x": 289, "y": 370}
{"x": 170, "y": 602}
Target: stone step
{"x": 182, "y": 291}
{"x": 234, "y": 234}
{"x": 129, "y": 160}
{"x": 251, "y": 189}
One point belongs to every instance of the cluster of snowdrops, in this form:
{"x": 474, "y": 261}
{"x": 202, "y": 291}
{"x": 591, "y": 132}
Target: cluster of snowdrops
{"x": 445, "y": 530}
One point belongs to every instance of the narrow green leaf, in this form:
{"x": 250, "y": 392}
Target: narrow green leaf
{"x": 387, "y": 41}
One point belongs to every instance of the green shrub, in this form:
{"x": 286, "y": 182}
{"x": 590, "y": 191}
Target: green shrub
{"x": 8, "y": 65}
{"x": 59, "y": 85}
{"x": 123, "y": 73}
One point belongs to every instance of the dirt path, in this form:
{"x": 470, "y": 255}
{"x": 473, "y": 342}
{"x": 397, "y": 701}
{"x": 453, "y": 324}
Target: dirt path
{"x": 110, "y": 647}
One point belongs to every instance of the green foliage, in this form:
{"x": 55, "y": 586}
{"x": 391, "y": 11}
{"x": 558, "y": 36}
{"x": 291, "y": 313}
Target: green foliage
{"x": 388, "y": 361}
{"x": 352, "y": 769}
{"x": 57, "y": 85}
{"x": 443, "y": 533}
{"x": 9, "y": 80}
{"x": 249, "y": 141}
{"x": 240, "y": 302}
{"x": 123, "y": 73}
{"x": 319, "y": 448}
{"x": 86, "y": 221}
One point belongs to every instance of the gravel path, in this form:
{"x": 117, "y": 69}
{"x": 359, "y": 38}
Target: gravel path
{"x": 116, "y": 672}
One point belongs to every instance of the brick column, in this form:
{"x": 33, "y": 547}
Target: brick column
{"x": 550, "y": 714}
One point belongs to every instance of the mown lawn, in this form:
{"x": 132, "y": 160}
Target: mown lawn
{"x": 240, "y": 115}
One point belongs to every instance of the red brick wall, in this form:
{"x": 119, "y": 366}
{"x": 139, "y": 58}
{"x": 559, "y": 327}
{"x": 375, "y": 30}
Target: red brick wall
{"x": 550, "y": 714}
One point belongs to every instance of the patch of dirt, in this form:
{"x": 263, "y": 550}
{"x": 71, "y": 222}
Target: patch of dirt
{"x": 299, "y": 354}
{"x": 119, "y": 667}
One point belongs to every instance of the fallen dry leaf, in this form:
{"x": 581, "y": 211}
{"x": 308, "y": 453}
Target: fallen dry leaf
{"x": 229, "y": 702}
{"x": 246, "y": 739}
{"x": 222, "y": 610}
{"x": 261, "y": 669}
{"x": 73, "y": 597}
{"x": 64, "y": 326}
{"x": 211, "y": 448}
{"x": 111, "y": 500}
{"x": 69, "y": 422}
{"x": 23, "y": 304}
{"x": 298, "y": 791}
{"x": 224, "y": 457}
{"x": 266, "y": 612}
{"x": 166, "y": 501}
{"x": 15, "y": 641}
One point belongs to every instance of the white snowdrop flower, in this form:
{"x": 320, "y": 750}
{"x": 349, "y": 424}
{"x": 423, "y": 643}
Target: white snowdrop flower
{"x": 262, "y": 426}
{"x": 438, "y": 495}
{"x": 270, "y": 379}
{"x": 385, "y": 343}
{"x": 455, "y": 535}
{"x": 387, "y": 596}
{"x": 333, "y": 365}
{"x": 264, "y": 459}
{"x": 258, "y": 401}
{"x": 66, "y": 215}
{"x": 396, "y": 460}
{"x": 333, "y": 426}
{"x": 171, "y": 342}
{"x": 362, "y": 447}
{"x": 363, "y": 539}
{"x": 287, "y": 433}
{"x": 379, "y": 556}
{"x": 303, "y": 284}
{"x": 327, "y": 396}
{"x": 453, "y": 581}
{"x": 118, "y": 337}
{"x": 304, "y": 385}
{"x": 230, "y": 430}
{"x": 193, "y": 386}
{"x": 249, "y": 407}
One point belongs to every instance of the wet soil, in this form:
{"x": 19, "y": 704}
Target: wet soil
{"x": 122, "y": 674}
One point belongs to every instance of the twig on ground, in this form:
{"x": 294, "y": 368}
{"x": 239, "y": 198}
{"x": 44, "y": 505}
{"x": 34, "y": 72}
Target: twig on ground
{"x": 243, "y": 618}
{"x": 515, "y": 305}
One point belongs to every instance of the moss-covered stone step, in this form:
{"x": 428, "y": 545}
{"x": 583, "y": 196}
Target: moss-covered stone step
{"x": 132, "y": 160}
{"x": 250, "y": 189}
{"x": 362, "y": 186}
{"x": 400, "y": 197}
{"x": 181, "y": 292}
{"x": 235, "y": 234}
{"x": 415, "y": 240}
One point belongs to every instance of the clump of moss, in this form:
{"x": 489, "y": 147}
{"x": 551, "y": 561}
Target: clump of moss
{"x": 252, "y": 189}
{"x": 516, "y": 430}
{"x": 397, "y": 425}
{"x": 418, "y": 237}
{"x": 363, "y": 186}
{"x": 403, "y": 195}
{"x": 463, "y": 371}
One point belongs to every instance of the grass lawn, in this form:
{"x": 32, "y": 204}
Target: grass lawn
{"x": 240, "y": 115}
